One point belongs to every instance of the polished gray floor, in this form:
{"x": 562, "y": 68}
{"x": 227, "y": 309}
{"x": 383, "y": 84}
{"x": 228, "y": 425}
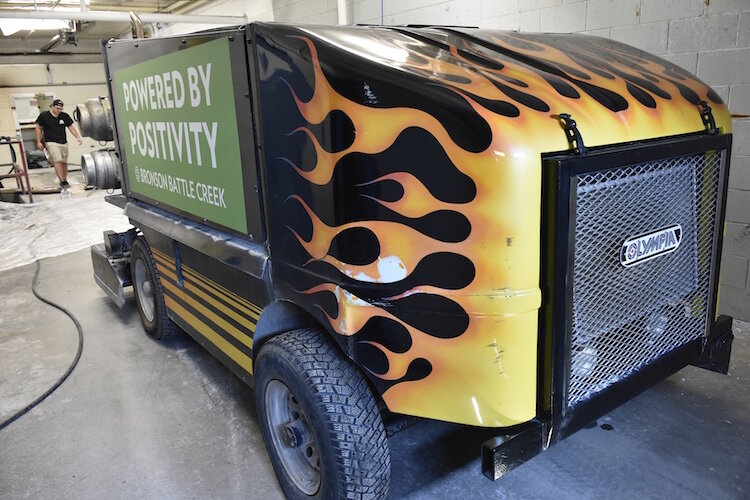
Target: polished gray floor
{"x": 143, "y": 419}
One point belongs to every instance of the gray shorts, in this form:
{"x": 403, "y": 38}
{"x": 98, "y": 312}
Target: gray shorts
{"x": 57, "y": 152}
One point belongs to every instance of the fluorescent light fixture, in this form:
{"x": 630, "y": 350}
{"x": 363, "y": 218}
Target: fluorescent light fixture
{"x": 50, "y": 3}
{"x": 14, "y": 25}
{"x": 11, "y": 26}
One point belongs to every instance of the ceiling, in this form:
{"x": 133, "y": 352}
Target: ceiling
{"x": 31, "y": 46}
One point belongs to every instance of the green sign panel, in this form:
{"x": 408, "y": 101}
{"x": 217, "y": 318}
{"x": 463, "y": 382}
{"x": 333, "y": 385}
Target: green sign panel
{"x": 176, "y": 116}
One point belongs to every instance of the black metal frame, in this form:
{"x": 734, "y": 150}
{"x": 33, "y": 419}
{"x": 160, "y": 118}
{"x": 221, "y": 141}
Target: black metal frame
{"x": 554, "y": 420}
{"x": 558, "y": 238}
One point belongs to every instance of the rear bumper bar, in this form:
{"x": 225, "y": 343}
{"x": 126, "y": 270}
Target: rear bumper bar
{"x": 505, "y": 452}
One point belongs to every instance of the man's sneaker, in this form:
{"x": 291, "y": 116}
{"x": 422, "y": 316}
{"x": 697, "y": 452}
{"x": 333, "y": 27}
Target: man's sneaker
{"x": 64, "y": 184}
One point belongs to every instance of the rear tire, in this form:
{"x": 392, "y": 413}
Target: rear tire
{"x": 319, "y": 420}
{"x": 149, "y": 294}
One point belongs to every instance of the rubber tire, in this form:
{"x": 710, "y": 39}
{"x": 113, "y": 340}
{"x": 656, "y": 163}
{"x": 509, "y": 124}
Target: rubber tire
{"x": 161, "y": 326}
{"x": 345, "y": 420}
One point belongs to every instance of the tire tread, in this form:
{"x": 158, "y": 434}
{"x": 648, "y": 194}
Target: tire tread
{"x": 354, "y": 423}
{"x": 168, "y": 327}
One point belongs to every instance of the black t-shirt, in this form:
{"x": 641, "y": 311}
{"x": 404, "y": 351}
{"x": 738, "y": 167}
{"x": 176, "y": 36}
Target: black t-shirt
{"x": 54, "y": 128}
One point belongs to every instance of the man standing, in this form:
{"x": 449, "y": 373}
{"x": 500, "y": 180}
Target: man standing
{"x": 53, "y": 124}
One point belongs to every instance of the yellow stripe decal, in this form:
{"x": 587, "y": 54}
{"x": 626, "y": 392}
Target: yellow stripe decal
{"x": 230, "y": 294}
{"x": 189, "y": 282}
{"x": 227, "y": 348}
{"x": 162, "y": 259}
{"x": 207, "y": 285}
{"x": 218, "y": 305}
{"x": 210, "y": 286}
{"x": 220, "y": 322}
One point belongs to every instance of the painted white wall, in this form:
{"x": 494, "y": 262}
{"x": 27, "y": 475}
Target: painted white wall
{"x": 711, "y": 39}
{"x": 18, "y": 75}
{"x": 73, "y": 83}
{"x": 70, "y": 94}
{"x": 254, "y": 10}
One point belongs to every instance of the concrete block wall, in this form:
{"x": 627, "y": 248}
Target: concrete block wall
{"x": 70, "y": 94}
{"x": 707, "y": 37}
{"x": 710, "y": 38}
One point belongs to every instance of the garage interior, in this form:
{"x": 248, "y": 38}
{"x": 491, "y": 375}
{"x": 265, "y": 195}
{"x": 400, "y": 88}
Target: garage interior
{"x": 139, "y": 418}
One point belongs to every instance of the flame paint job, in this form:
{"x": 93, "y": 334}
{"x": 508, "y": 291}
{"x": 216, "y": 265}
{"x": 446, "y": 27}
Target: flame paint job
{"x": 404, "y": 184}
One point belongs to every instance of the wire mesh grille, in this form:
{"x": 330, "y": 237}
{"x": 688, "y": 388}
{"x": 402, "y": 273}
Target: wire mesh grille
{"x": 623, "y": 318}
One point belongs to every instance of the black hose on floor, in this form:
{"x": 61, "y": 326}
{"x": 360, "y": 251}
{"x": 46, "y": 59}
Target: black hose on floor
{"x": 72, "y": 366}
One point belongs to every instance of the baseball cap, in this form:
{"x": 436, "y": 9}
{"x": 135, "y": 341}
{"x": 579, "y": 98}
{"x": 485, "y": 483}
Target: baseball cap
{"x": 57, "y": 102}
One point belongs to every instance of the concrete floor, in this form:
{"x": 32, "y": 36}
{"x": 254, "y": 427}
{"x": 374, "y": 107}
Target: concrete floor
{"x": 52, "y": 226}
{"x": 145, "y": 419}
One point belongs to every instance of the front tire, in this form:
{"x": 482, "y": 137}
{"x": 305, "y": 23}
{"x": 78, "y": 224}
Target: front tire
{"x": 149, "y": 294}
{"x": 319, "y": 420}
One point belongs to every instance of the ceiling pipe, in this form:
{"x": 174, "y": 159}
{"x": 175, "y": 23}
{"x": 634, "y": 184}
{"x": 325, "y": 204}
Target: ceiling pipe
{"x": 110, "y": 6}
{"x": 54, "y": 41}
{"x": 136, "y": 25}
{"x": 122, "y": 17}
{"x": 343, "y": 14}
